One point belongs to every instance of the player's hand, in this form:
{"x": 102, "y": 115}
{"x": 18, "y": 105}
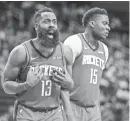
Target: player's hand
{"x": 34, "y": 76}
{"x": 63, "y": 79}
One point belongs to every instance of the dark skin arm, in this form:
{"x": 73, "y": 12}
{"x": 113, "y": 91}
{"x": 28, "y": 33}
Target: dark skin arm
{"x": 65, "y": 94}
{"x": 65, "y": 81}
{"x": 12, "y": 69}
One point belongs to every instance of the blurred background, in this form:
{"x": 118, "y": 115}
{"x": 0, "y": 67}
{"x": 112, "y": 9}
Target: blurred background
{"x": 16, "y": 27}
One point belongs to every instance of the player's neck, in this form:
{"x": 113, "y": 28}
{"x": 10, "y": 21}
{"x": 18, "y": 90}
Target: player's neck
{"x": 91, "y": 40}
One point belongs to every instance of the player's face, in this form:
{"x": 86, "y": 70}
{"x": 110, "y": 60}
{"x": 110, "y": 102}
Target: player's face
{"x": 48, "y": 30}
{"x": 101, "y": 27}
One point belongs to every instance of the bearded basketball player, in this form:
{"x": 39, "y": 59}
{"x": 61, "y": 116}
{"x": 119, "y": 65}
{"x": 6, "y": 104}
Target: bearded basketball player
{"x": 32, "y": 66}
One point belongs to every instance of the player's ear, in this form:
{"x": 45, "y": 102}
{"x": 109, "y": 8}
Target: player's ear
{"x": 36, "y": 26}
{"x": 92, "y": 23}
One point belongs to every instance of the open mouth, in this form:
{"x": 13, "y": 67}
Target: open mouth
{"x": 50, "y": 35}
{"x": 106, "y": 34}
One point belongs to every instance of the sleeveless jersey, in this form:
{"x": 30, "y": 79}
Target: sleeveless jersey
{"x": 46, "y": 93}
{"x": 86, "y": 72}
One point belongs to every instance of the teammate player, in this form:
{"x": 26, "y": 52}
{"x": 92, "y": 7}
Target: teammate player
{"x": 90, "y": 55}
{"x": 32, "y": 66}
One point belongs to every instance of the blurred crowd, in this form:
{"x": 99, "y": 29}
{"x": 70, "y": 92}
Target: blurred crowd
{"x": 16, "y": 27}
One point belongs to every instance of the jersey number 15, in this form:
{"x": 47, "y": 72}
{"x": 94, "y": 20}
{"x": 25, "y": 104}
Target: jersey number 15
{"x": 93, "y": 78}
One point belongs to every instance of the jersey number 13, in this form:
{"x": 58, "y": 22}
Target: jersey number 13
{"x": 46, "y": 88}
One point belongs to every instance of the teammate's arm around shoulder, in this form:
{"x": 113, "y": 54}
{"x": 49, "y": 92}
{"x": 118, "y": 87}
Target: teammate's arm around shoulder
{"x": 12, "y": 69}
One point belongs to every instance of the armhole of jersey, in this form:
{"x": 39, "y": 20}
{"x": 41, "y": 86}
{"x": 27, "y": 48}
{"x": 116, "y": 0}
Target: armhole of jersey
{"x": 79, "y": 35}
{"x": 106, "y": 51}
{"x": 27, "y": 57}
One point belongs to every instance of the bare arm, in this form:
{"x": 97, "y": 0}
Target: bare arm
{"x": 65, "y": 80}
{"x": 69, "y": 62}
{"x": 64, "y": 93}
{"x": 11, "y": 71}
{"x": 67, "y": 105}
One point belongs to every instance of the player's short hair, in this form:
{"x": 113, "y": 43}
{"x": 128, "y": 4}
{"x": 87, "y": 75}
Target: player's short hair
{"x": 37, "y": 14}
{"x": 90, "y": 13}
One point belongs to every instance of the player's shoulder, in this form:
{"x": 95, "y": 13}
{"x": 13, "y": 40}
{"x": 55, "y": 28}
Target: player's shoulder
{"x": 74, "y": 37}
{"x": 20, "y": 49}
{"x": 105, "y": 50}
{"x": 68, "y": 53}
{"x": 73, "y": 41}
{"x": 18, "y": 54}
{"x": 104, "y": 46}
{"x": 66, "y": 48}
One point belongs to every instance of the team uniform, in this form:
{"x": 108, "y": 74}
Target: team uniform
{"x": 86, "y": 72}
{"x": 41, "y": 103}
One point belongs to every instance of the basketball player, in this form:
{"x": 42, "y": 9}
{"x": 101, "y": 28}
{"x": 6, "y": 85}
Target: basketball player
{"x": 32, "y": 66}
{"x": 90, "y": 55}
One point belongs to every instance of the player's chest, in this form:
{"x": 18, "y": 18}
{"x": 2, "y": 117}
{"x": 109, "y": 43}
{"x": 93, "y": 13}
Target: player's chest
{"x": 90, "y": 58}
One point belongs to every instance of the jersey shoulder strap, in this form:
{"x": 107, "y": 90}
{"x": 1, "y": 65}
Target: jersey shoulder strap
{"x": 27, "y": 56}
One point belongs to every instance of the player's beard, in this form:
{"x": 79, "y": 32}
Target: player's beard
{"x": 46, "y": 41}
